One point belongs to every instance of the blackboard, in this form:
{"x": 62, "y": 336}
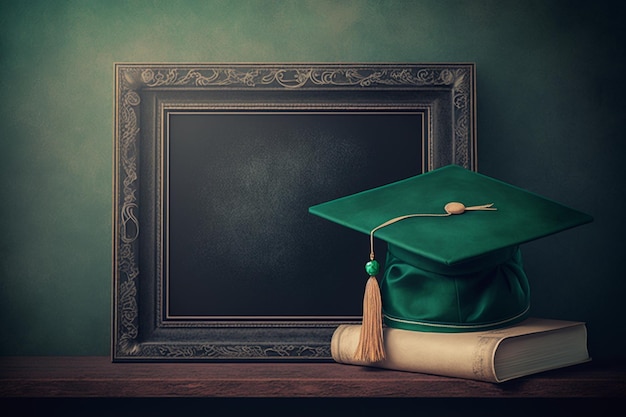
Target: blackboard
{"x": 215, "y": 256}
{"x": 239, "y": 186}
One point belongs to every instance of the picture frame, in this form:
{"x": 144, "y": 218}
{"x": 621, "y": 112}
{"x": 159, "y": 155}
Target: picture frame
{"x": 215, "y": 257}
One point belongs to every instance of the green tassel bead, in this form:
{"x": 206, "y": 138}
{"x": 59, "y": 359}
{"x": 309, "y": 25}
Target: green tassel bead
{"x": 372, "y": 267}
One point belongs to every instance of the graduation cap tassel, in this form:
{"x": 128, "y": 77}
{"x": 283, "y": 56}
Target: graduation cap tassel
{"x": 370, "y": 347}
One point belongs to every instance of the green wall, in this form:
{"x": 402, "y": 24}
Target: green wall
{"x": 550, "y": 111}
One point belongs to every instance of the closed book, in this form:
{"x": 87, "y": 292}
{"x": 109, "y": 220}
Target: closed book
{"x": 535, "y": 345}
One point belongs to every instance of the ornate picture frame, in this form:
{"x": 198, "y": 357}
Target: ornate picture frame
{"x": 215, "y": 257}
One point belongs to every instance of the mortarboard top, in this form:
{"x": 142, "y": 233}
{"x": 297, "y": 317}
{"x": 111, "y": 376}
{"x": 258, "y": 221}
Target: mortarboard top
{"x": 520, "y": 215}
{"x": 451, "y": 272}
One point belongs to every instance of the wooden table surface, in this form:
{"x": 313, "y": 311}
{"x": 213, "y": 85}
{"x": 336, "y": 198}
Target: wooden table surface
{"x": 98, "y": 377}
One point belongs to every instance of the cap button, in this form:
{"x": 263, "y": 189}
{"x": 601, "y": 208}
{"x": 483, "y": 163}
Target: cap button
{"x": 454, "y": 208}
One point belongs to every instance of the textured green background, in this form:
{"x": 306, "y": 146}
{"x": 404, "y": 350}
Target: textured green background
{"x": 550, "y": 119}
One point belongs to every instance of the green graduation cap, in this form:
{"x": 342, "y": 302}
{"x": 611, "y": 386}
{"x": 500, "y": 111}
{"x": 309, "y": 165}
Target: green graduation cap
{"x": 453, "y": 262}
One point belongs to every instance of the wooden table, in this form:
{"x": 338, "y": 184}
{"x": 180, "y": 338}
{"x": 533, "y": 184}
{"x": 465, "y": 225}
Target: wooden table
{"x": 96, "y": 378}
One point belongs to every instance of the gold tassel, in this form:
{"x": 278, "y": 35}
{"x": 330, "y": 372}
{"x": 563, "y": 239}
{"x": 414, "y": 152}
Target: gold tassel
{"x": 371, "y": 348}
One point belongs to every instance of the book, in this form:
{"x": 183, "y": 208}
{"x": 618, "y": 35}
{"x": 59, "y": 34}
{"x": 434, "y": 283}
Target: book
{"x": 535, "y": 345}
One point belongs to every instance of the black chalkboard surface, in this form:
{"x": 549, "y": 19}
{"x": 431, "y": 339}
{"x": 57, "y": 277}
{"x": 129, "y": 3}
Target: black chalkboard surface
{"x": 240, "y": 241}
